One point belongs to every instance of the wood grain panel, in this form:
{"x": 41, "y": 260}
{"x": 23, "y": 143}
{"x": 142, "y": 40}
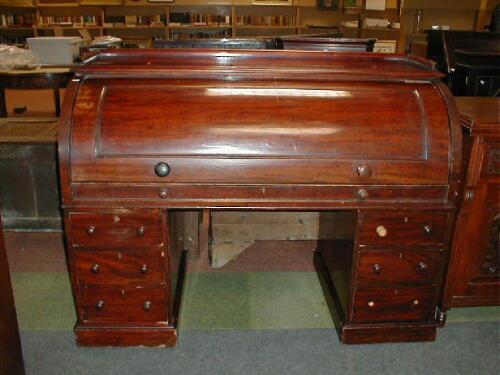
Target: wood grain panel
{"x": 115, "y": 267}
{"x": 382, "y": 267}
{"x": 398, "y": 304}
{"x": 122, "y": 230}
{"x": 122, "y": 305}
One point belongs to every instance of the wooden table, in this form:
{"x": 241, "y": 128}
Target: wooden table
{"x": 53, "y": 78}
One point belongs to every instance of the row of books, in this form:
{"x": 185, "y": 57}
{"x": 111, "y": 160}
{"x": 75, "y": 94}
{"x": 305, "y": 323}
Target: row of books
{"x": 17, "y": 20}
{"x": 178, "y": 19}
{"x": 70, "y": 21}
{"x": 256, "y": 20}
{"x": 219, "y": 34}
{"x": 135, "y": 20}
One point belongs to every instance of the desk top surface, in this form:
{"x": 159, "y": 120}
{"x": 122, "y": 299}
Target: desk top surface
{"x": 262, "y": 64}
{"x": 479, "y": 114}
{"x": 42, "y": 70}
{"x": 28, "y": 130}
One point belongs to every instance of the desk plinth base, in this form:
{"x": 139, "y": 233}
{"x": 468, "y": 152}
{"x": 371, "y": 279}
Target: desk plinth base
{"x": 357, "y": 334}
{"x": 126, "y": 336}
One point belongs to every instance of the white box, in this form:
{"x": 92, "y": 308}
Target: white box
{"x": 385, "y": 46}
{"x": 375, "y": 22}
{"x": 56, "y": 50}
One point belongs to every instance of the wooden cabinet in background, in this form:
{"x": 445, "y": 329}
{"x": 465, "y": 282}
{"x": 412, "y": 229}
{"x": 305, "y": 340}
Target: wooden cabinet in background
{"x": 474, "y": 274}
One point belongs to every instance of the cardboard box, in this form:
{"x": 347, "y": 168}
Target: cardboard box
{"x": 52, "y": 50}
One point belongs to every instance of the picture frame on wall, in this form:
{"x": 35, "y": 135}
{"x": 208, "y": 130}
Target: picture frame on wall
{"x": 327, "y": 4}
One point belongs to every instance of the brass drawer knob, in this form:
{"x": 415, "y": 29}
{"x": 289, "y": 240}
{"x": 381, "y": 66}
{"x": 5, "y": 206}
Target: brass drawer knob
{"x": 99, "y": 306}
{"x": 381, "y": 231}
{"x": 377, "y": 268}
{"x": 364, "y": 170}
{"x": 141, "y": 231}
{"x": 371, "y": 304}
{"x": 91, "y": 230}
{"x": 163, "y": 193}
{"x": 147, "y": 305}
{"x": 144, "y": 268}
{"x": 95, "y": 268}
{"x": 414, "y": 303}
{"x": 423, "y": 267}
{"x": 362, "y": 194}
{"x": 162, "y": 169}
{"x": 428, "y": 230}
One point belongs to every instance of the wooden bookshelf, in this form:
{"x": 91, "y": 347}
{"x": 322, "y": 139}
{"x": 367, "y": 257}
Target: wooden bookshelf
{"x": 301, "y": 17}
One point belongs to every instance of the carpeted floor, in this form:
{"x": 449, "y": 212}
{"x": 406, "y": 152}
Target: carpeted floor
{"x": 237, "y": 320}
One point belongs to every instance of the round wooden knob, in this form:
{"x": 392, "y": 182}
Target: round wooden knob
{"x": 423, "y": 266}
{"x": 377, "y": 268}
{"x": 381, "y": 231}
{"x": 163, "y": 193}
{"x": 162, "y": 169}
{"x": 147, "y": 305}
{"x": 91, "y": 230}
{"x": 362, "y": 194}
{"x": 144, "y": 268}
{"x": 141, "y": 231}
{"x": 95, "y": 268}
{"x": 364, "y": 170}
{"x": 99, "y": 306}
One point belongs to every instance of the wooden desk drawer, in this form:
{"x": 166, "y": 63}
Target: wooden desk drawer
{"x": 401, "y": 304}
{"x": 131, "y": 229}
{"x": 403, "y": 228}
{"x": 114, "y": 267}
{"x": 379, "y": 267}
{"x": 124, "y": 305}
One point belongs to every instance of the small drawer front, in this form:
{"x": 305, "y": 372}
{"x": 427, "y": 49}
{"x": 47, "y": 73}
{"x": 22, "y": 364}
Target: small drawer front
{"x": 115, "y": 229}
{"x": 395, "y": 229}
{"x": 116, "y": 305}
{"x": 401, "y": 304}
{"x": 115, "y": 267}
{"x": 382, "y": 267}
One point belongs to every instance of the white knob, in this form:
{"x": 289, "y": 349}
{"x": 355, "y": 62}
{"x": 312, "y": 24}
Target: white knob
{"x": 381, "y": 231}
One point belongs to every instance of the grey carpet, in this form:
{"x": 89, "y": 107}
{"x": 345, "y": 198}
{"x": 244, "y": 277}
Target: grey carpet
{"x": 461, "y": 348}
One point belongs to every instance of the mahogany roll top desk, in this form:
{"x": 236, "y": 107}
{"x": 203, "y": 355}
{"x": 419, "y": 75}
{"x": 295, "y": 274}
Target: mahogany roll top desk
{"x": 145, "y": 133}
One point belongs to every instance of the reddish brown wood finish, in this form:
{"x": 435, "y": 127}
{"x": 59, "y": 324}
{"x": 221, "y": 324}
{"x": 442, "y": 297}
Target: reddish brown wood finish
{"x": 123, "y": 336}
{"x": 265, "y": 130}
{"x": 11, "y": 357}
{"x": 119, "y": 266}
{"x": 474, "y": 273}
{"x": 124, "y": 305}
{"x": 413, "y": 228}
{"x": 385, "y": 267}
{"x": 394, "y": 304}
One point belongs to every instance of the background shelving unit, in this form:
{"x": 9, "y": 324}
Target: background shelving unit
{"x": 145, "y": 20}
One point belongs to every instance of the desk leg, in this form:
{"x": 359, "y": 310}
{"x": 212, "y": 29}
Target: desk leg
{"x": 3, "y": 102}
{"x": 57, "y": 101}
